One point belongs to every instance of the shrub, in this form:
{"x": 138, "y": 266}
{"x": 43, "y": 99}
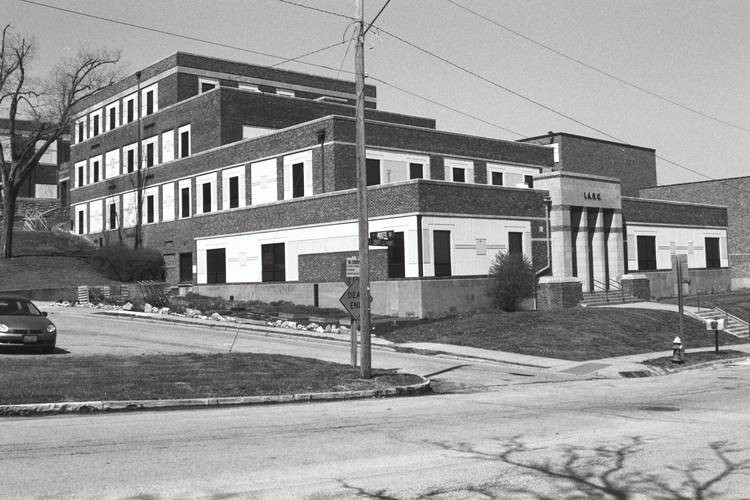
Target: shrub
{"x": 122, "y": 263}
{"x": 513, "y": 280}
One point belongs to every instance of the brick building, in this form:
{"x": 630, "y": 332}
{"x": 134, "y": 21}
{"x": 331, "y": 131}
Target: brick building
{"x": 251, "y": 192}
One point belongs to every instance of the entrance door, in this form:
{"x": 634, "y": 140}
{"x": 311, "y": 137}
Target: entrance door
{"x": 186, "y": 267}
{"x": 442, "y": 248}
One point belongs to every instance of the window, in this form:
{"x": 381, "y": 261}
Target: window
{"x": 111, "y": 116}
{"x": 373, "y": 172}
{"x": 81, "y": 221}
{"x": 234, "y": 192}
{"x": 130, "y": 115}
{"x": 206, "y": 191}
{"x": 150, "y": 209}
{"x": 216, "y": 266}
{"x": 95, "y": 124}
{"x": 81, "y": 130}
{"x": 184, "y": 201}
{"x": 496, "y": 179}
{"x": 298, "y": 180}
{"x": 233, "y": 187}
{"x": 416, "y": 171}
{"x": 396, "y": 262}
{"x": 249, "y": 87}
{"x": 150, "y": 154}
{"x": 285, "y": 92}
{"x": 112, "y": 215}
{"x": 183, "y": 139}
{"x": 442, "y": 251}
{"x": 81, "y": 173}
{"x": 149, "y": 100}
{"x": 646, "y": 253}
{"x": 713, "y": 254}
{"x": 298, "y": 175}
{"x": 515, "y": 243}
{"x": 528, "y": 180}
{"x": 273, "y": 261}
{"x": 130, "y": 157}
{"x": 95, "y": 170}
{"x": 186, "y": 267}
{"x": 204, "y": 85}
{"x": 459, "y": 174}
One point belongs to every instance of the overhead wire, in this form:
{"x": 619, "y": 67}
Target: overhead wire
{"x": 598, "y": 70}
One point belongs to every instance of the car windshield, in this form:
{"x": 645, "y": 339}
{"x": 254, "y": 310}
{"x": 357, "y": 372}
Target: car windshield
{"x": 18, "y": 307}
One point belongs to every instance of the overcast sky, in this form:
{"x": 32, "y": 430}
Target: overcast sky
{"x": 695, "y": 53}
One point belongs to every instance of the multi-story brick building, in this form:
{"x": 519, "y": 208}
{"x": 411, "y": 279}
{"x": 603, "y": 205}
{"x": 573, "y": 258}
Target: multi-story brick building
{"x": 250, "y": 192}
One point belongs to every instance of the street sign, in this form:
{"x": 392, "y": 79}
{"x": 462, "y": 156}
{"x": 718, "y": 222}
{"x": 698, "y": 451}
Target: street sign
{"x": 381, "y": 238}
{"x": 350, "y": 299}
{"x": 715, "y": 324}
{"x": 352, "y": 267}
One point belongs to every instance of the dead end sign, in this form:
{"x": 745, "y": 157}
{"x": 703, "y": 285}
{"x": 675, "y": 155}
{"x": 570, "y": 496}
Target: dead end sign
{"x": 350, "y": 299}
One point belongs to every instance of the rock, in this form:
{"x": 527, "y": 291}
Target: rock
{"x": 320, "y": 329}
{"x": 148, "y": 308}
{"x": 327, "y": 329}
{"x": 313, "y": 326}
{"x": 164, "y": 310}
{"x": 217, "y": 317}
{"x": 230, "y": 319}
{"x": 192, "y": 313}
{"x": 127, "y": 306}
{"x": 335, "y": 329}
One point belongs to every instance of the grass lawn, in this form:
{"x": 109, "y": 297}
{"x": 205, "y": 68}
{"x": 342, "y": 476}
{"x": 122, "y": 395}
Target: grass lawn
{"x": 576, "y": 334}
{"x": 735, "y": 303}
{"x": 696, "y": 358}
{"x": 47, "y": 379}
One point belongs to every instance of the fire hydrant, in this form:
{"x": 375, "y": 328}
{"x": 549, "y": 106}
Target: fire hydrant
{"x": 678, "y": 351}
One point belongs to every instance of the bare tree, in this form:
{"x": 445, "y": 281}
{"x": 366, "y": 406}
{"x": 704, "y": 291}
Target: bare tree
{"x": 48, "y": 104}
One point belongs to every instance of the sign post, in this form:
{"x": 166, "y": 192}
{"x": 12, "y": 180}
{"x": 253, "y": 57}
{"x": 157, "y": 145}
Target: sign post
{"x": 680, "y": 268}
{"x": 715, "y": 325}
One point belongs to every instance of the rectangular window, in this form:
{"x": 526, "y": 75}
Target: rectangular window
{"x": 234, "y": 192}
{"x": 528, "y": 180}
{"x": 81, "y": 221}
{"x": 112, "y": 117}
{"x": 130, "y": 114}
{"x": 130, "y": 162}
{"x": 459, "y": 174}
{"x": 497, "y": 179}
{"x": 206, "y": 191}
{"x": 416, "y": 171}
{"x": 150, "y": 154}
{"x": 113, "y": 216}
{"x": 95, "y": 170}
{"x": 442, "y": 252}
{"x": 95, "y": 124}
{"x": 216, "y": 266}
{"x": 183, "y": 137}
{"x": 285, "y": 93}
{"x": 373, "y": 172}
{"x": 515, "y": 243}
{"x": 298, "y": 180}
{"x": 186, "y": 267}
{"x": 273, "y": 259}
{"x": 646, "y": 253}
{"x": 185, "y": 202}
{"x": 150, "y": 209}
{"x": 81, "y": 131}
{"x": 149, "y": 102}
{"x": 249, "y": 86}
{"x": 713, "y": 254}
{"x": 396, "y": 262}
{"x": 205, "y": 85}
{"x": 81, "y": 176}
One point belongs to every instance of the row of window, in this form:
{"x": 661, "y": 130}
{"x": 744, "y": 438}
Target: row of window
{"x": 117, "y": 113}
{"x": 206, "y": 84}
{"x": 646, "y": 251}
{"x": 154, "y": 150}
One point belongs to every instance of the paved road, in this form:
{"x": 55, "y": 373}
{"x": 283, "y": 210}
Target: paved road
{"x": 82, "y": 332}
{"x": 442, "y": 446}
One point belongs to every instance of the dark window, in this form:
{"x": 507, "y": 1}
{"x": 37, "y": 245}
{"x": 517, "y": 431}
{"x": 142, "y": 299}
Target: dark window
{"x": 80, "y": 222}
{"x": 184, "y": 144}
{"x": 206, "y": 86}
{"x": 234, "y": 192}
{"x": 112, "y": 118}
{"x": 515, "y": 243}
{"x": 131, "y": 160}
{"x": 186, "y": 266}
{"x": 442, "y": 247}
{"x": 80, "y": 177}
{"x": 112, "y": 216}
{"x": 646, "y": 253}
{"x": 206, "y": 188}
{"x": 96, "y": 125}
{"x": 131, "y": 110}
{"x": 497, "y": 178}
{"x": 185, "y": 202}
{"x": 150, "y": 209}
{"x": 64, "y": 193}
{"x": 396, "y": 263}
{"x": 216, "y": 266}
{"x": 529, "y": 180}
{"x": 150, "y": 155}
{"x": 459, "y": 174}
{"x": 416, "y": 171}
{"x": 713, "y": 255}
{"x": 298, "y": 180}
{"x": 149, "y": 102}
{"x": 80, "y": 131}
{"x": 95, "y": 168}
{"x": 373, "y": 172}
{"x": 272, "y": 256}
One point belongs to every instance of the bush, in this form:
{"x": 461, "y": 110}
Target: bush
{"x": 122, "y": 263}
{"x": 513, "y": 280}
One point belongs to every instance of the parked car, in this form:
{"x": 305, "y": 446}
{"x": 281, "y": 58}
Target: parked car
{"x": 22, "y": 324}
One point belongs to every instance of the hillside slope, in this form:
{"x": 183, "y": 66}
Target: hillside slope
{"x": 37, "y": 272}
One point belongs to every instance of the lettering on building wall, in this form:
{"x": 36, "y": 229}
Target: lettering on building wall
{"x": 592, "y": 196}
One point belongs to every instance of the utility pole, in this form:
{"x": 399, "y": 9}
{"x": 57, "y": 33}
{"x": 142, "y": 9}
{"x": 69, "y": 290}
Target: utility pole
{"x": 364, "y": 247}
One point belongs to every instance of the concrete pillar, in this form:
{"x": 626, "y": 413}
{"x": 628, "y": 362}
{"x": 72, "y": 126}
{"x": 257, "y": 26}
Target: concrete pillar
{"x": 583, "y": 256}
{"x": 598, "y": 246}
{"x": 615, "y": 251}
{"x": 562, "y": 242}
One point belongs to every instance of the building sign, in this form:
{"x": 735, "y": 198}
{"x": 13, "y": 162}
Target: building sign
{"x": 592, "y": 196}
{"x": 352, "y": 267}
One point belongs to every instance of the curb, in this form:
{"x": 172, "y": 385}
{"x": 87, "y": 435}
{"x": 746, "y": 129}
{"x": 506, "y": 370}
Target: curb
{"x": 707, "y": 364}
{"x": 24, "y": 410}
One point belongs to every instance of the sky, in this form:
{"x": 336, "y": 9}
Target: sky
{"x": 509, "y": 72}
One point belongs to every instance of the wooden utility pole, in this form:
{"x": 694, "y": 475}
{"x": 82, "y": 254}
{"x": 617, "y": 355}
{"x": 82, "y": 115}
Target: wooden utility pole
{"x": 364, "y": 254}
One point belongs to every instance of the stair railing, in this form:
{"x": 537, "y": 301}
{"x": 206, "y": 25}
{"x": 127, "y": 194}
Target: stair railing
{"x": 599, "y": 285}
{"x": 617, "y": 287}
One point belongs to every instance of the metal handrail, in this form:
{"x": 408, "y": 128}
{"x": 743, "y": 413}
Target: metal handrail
{"x": 603, "y": 286}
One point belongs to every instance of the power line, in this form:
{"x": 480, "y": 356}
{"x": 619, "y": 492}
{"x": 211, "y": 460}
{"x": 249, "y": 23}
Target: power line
{"x": 598, "y": 70}
{"x": 322, "y": 11}
{"x": 296, "y": 59}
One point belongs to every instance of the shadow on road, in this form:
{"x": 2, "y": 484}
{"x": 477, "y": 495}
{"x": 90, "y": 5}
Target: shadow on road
{"x": 17, "y": 350}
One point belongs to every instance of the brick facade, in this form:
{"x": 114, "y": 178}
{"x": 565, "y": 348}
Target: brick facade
{"x": 636, "y": 210}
